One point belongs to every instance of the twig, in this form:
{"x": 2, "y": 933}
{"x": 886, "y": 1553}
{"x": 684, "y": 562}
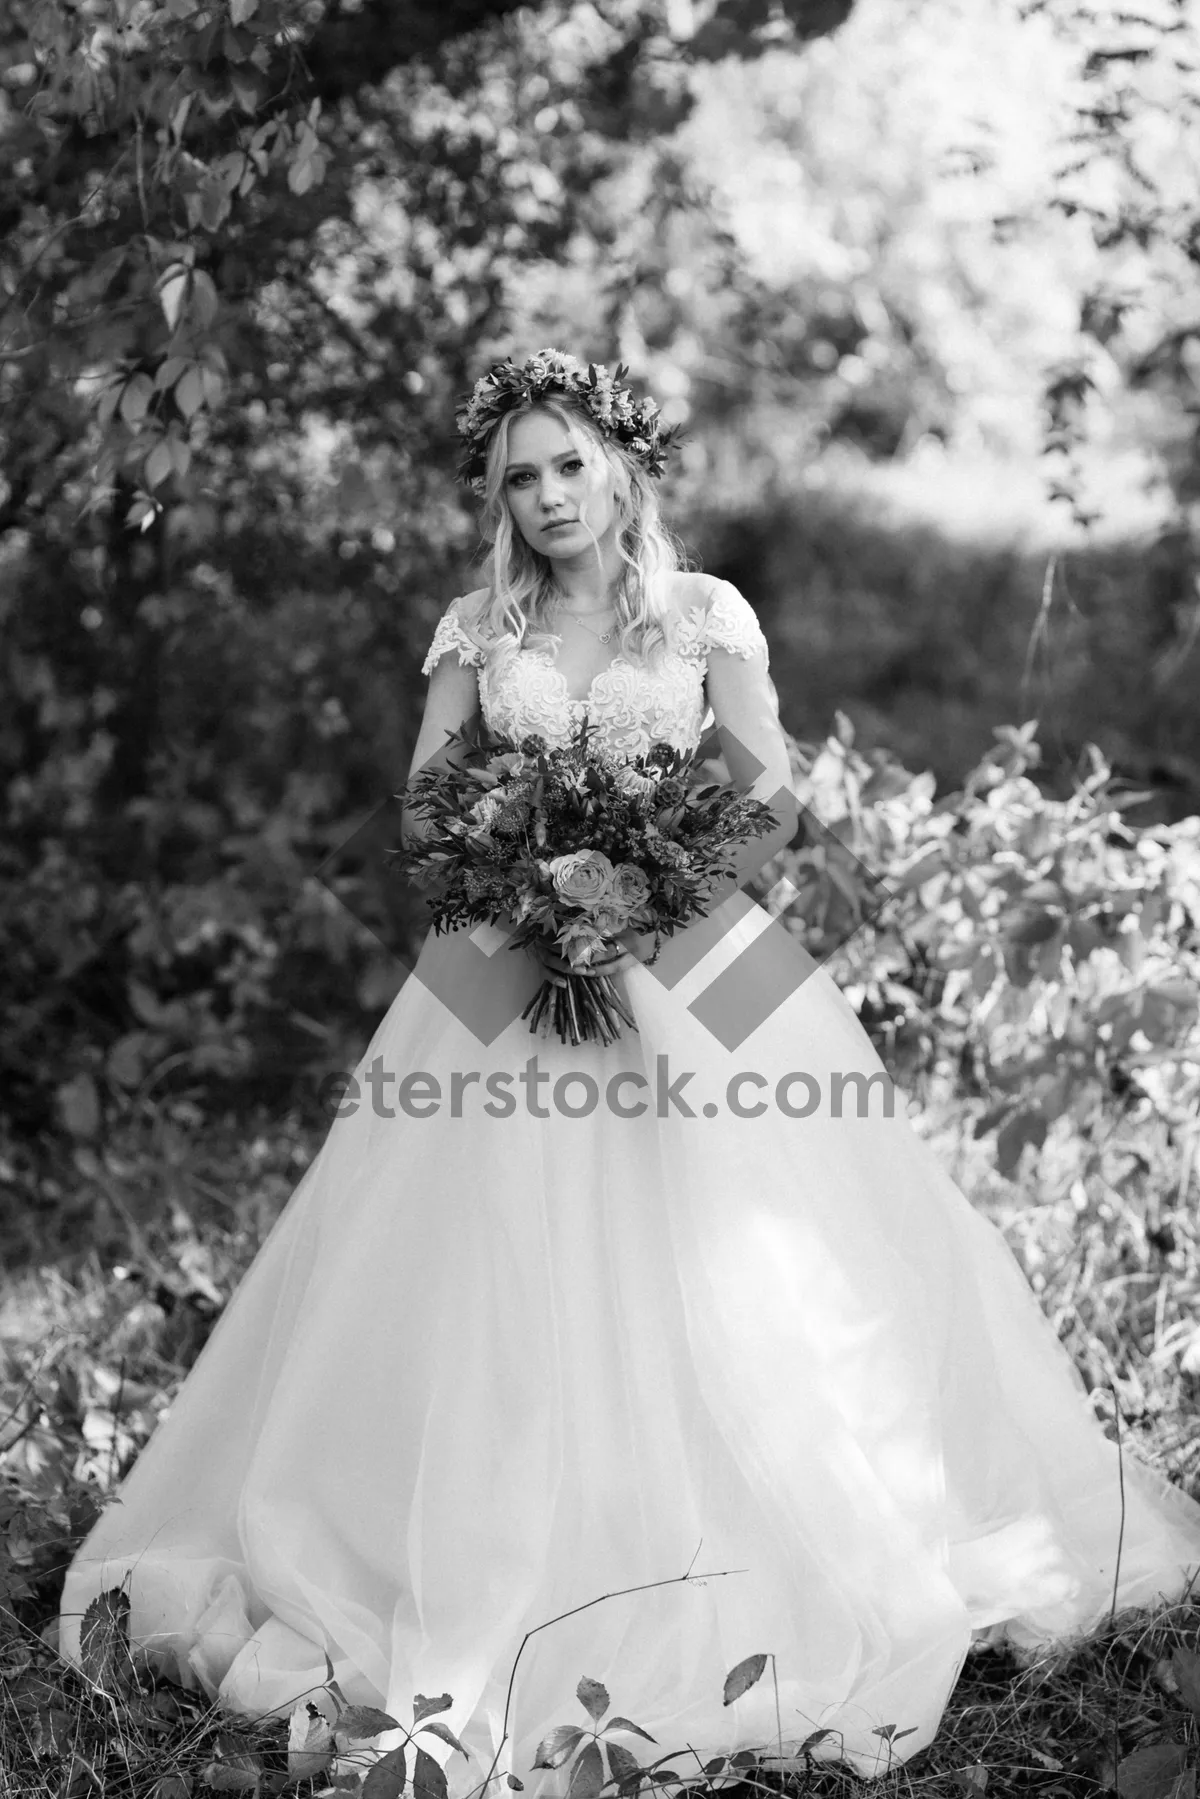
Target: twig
{"x": 621, "y": 1593}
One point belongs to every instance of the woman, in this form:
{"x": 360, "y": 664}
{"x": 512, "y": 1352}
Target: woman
{"x": 695, "y": 1302}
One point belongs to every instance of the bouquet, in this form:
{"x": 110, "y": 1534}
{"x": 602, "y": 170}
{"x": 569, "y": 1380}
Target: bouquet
{"x": 574, "y": 844}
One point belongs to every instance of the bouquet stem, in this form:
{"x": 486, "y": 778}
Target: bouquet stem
{"x": 581, "y": 1008}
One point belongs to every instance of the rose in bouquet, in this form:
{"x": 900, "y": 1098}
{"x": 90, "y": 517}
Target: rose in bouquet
{"x": 573, "y": 846}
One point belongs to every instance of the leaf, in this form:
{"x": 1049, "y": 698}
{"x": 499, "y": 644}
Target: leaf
{"x": 135, "y": 398}
{"x": 388, "y": 1777}
{"x": 593, "y": 1697}
{"x": 622, "y": 1763}
{"x": 310, "y": 1741}
{"x": 359, "y": 1722}
{"x": 1186, "y": 1668}
{"x": 429, "y": 1779}
{"x": 159, "y": 464}
{"x": 587, "y": 1774}
{"x": 1031, "y": 926}
{"x": 1149, "y": 1773}
{"x": 79, "y": 1108}
{"x": 627, "y": 1724}
{"x": 205, "y": 303}
{"x": 447, "y": 1736}
{"x": 214, "y": 387}
{"x": 425, "y": 1708}
{"x": 169, "y": 372}
{"x": 106, "y": 405}
{"x": 971, "y": 1780}
{"x": 189, "y": 392}
{"x": 557, "y": 1745}
{"x": 214, "y": 205}
{"x": 81, "y": 1778}
{"x": 241, "y": 10}
{"x": 104, "y": 1639}
{"x": 1024, "y": 1126}
{"x": 173, "y": 293}
{"x": 301, "y": 175}
{"x": 248, "y": 94}
{"x": 224, "y": 1777}
{"x": 518, "y": 1786}
{"x": 172, "y": 1786}
{"x": 739, "y": 1680}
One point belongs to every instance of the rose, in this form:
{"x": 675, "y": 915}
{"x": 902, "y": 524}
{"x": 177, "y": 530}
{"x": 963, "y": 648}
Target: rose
{"x": 629, "y": 885}
{"x": 510, "y": 762}
{"x": 609, "y": 916}
{"x": 485, "y": 810}
{"x": 583, "y": 877}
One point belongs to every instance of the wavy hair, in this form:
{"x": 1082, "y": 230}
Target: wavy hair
{"x": 520, "y": 581}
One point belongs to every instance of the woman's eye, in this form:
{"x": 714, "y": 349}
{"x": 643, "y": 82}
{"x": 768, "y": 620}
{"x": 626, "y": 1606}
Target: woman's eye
{"x": 574, "y": 463}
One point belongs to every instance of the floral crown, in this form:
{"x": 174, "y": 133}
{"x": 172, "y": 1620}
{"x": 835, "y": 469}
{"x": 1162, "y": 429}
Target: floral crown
{"x": 634, "y": 424}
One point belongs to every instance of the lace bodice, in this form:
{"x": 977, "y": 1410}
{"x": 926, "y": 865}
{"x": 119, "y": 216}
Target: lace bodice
{"x": 631, "y": 705}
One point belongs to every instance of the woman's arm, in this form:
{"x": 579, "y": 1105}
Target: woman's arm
{"x": 451, "y": 703}
{"x": 756, "y": 755}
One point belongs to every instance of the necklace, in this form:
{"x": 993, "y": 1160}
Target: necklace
{"x": 600, "y": 636}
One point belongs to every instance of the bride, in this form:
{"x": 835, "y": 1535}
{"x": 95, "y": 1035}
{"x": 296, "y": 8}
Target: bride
{"x": 692, "y": 1325}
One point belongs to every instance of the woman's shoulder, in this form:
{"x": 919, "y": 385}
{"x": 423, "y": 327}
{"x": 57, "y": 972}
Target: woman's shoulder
{"x": 689, "y": 591}
{"x": 451, "y": 633}
{"x": 468, "y": 606}
{"x": 718, "y": 614}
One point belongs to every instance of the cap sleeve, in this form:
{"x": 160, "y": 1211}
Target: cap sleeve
{"x": 450, "y": 635}
{"x": 732, "y": 624}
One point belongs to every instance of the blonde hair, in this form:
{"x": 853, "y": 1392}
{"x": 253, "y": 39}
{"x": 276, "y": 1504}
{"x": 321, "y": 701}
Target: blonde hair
{"x": 520, "y": 580}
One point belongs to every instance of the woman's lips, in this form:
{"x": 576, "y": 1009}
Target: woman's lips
{"x": 559, "y": 524}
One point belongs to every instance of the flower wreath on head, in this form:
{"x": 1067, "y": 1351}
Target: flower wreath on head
{"x": 634, "y": 423}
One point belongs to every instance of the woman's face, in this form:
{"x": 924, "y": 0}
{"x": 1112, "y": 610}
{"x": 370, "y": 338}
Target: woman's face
{"x": 546, "y": 480}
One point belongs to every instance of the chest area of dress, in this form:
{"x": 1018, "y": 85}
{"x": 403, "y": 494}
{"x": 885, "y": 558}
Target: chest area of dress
{"x": 667, "y": 687}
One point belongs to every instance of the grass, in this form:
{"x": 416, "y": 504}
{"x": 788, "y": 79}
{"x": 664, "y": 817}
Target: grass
{"x": 150, "y": 1234}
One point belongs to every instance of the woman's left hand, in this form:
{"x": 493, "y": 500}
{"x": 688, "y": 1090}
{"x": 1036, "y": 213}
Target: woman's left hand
{"x": 613, "y": 962}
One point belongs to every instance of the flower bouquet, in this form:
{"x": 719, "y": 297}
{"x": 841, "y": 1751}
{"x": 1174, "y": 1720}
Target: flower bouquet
{"x": 574, "y": 845}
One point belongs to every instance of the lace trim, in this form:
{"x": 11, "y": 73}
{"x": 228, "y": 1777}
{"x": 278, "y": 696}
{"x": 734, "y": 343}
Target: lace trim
{"x": 732, "y": 624}
{"x": 450, "y": 635}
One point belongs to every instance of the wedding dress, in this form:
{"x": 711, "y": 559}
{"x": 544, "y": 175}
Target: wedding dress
{"x": 491, "y": 1365}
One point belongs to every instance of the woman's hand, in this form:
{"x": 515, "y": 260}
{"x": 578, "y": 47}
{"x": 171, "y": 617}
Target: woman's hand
{"x": 638, "y": 949}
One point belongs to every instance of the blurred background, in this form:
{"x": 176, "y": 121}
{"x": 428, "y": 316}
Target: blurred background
{"x": 920, "y": 279}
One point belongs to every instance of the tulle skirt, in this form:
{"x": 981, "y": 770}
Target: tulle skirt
{"x": 528, "y": 1336}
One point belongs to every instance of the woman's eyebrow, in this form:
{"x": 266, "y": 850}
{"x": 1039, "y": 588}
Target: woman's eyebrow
{"x": 561, "y": 454}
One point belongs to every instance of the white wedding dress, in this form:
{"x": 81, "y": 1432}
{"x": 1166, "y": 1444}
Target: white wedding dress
{"x": 491, "y": 1365}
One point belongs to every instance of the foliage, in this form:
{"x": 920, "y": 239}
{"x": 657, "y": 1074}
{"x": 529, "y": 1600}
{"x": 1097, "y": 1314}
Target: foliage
{"x": 1048, "y": 949}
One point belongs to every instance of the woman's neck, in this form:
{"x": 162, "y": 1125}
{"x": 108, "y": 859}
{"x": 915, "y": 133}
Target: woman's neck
{"x": 582, "y": 586}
